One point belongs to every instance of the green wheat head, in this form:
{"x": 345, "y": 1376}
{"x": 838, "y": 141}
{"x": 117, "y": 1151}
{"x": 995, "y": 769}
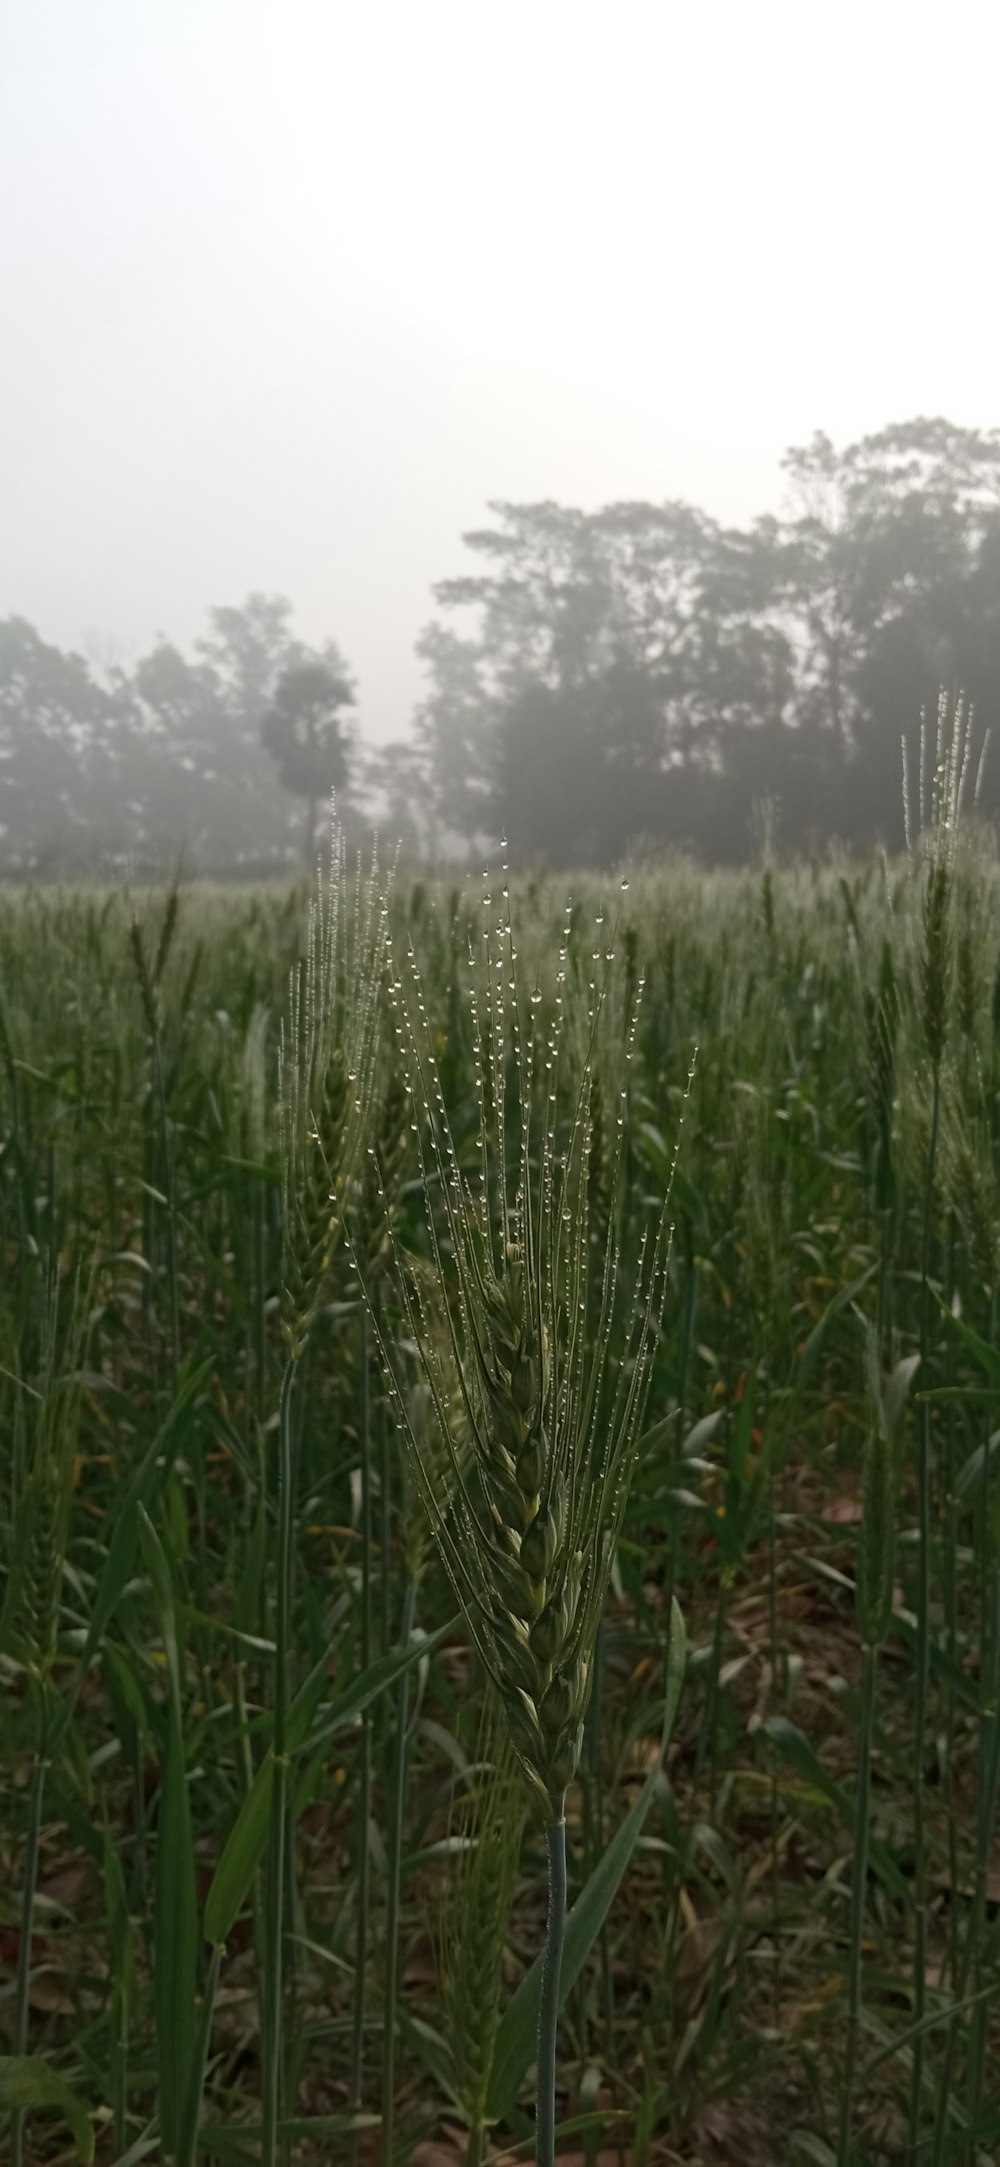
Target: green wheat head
{"x": 327, "y": 1067}
{"x": 541, "y": 1459}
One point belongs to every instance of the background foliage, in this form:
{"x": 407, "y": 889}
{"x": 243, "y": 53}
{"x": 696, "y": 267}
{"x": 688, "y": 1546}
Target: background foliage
{"x": 636, "y": 675}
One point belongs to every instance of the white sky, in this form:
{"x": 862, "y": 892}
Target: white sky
{"x": 291, "y": 287}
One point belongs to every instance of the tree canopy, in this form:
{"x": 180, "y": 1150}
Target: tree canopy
{"x": 643, "y": 675}
{"x": 597, "y": 682}
{"x": 103, "y": 771}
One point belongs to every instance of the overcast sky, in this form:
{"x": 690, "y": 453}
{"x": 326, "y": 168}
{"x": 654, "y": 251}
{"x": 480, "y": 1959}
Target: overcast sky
{"x": 292, "y": 287}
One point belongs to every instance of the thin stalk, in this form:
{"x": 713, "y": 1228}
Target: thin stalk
{"x": 671, "y": 1573}
{"x": 706, "y": 1735}
{"x": 188, "y": 2152}
{"x": 385, "y": 1525}
{"x": 593, "y": 1826}
{"x": 775, "y": 1792}
{"x": 548, "y": 2019}
{"x": 395, "y": 1877}
{"x": 273, "y": 1998}
{"x": 22, "y": 1981}
{"x": 119, "y": 2072}
{"x": 885, "y": 1251}
{"x": 170, "y": 1188}
{"x": 859, "y": 1878}
{"x": 923, "y": 1652}
{"x": 260, "y": 1295}
{"x": 365, "y": 1771}
{"x": 687, "y": 1341}
{"x": 142, "y": 1876}
{"x": 246, "y": 1757}
{"x": 988, "y": 1770}
{"x": 949, "y": 1576}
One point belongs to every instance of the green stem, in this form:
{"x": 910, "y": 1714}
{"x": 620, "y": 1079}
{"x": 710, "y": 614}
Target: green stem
{"x": 260, "y": 1298}
{"x": 548, "y": 2020}
{"x": 273, "y": 2027}
{"x": 365, "y": 1771}
{"x": 923, "y": 1607}
{"x": 188, "y": 2152}
{"x": 862, "y": 1815}
{"x": 959, "y": 1949}
{"x": 170, "y": 1190}
{"x": 707, "y": 1734}
{"x": 882, "y": 1317}
{"x": 22, "y": 1982}
{"x": 395, "y": 1877}
{"x": 593, "y": 1825}
{"x": 775, "y": 1795}
{"x": 385, "y": 1525}
{"x": 988, "y": 1769}
{"x": 119, "y": 2072}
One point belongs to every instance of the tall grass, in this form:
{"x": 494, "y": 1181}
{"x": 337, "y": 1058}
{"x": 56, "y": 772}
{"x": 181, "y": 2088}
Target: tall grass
{"x": 251, "y": 1769}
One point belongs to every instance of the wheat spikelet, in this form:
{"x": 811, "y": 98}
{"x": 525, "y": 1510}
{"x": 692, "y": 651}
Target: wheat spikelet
{"x": 969, "y": 1179}
{"x": 382, "y": 1174}
{"x": 539, "y": 1471}
{"x": 436, "y": 1460}
{"x": 327, "y": 1066}
{"x": 936, "y": 957}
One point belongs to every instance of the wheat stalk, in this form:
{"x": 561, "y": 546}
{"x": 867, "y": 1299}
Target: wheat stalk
{"x": 491, "y": 1827}
{"x": 29, "y": 1619}
{"x": 327, "y": 1066}
{"x": 539, "y": 1466}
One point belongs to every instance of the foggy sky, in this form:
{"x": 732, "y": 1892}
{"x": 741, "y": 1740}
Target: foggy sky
{"x": 292, "y": 287}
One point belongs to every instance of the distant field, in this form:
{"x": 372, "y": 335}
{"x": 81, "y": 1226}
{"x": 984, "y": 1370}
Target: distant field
{"x": 188, "y": 1540}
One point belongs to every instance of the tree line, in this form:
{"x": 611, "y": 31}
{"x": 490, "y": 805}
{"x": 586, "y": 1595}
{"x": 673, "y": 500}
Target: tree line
{"x": 638, "y": 676}
{"x": 176, "y": 756}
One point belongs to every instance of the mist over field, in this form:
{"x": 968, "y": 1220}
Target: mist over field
{"x": 401, "y": 402}
{"x": 499, "y": 1084}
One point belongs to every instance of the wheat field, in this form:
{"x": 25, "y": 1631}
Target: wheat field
{"x": 500, "y": 1621}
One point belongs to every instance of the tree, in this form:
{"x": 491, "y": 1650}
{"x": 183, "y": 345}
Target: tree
{"x": 615, "y": 653}
{"x": 204, "y": 780}
{"x": 454, "y": 728}
{"x": 640, "y": 672}
{"x": 891, "y": 573}
{"x": 389, "y": 791}
{"x": 248, "y": 648}
{"x": 59, "y": 733}
{"x": 303, "y": 731}
{"x": 100, "y": 768}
